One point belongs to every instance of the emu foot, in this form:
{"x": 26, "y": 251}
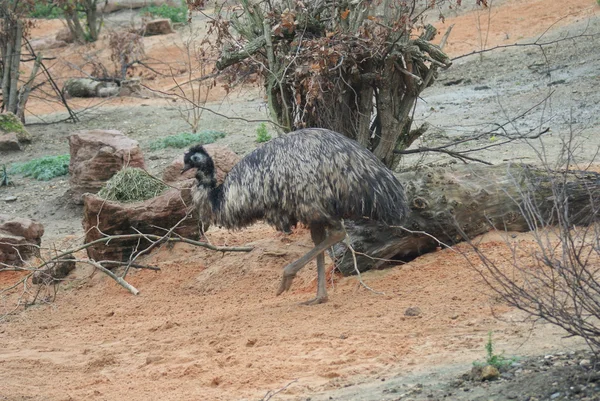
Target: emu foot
{"x": 315, "y": 301}
{"x": 286, "y": 283}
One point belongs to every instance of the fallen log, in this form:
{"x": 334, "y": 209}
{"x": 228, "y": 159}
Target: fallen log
{"x": 453, "y": 203}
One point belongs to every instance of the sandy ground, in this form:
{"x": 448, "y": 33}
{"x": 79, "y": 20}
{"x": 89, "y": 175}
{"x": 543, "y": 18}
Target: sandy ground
{"x": 208, "y": 325}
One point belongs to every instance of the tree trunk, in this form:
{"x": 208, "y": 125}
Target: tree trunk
{"x": 460, "y": 202}
{"x": 14, "y": 62}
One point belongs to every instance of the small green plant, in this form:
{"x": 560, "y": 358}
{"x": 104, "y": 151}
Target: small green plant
{"x": 131, "y": 185}
{"x": 262, "y": 135}
{"x": 500, "y": 362}
{"x": 44, "y": 168}
{"x": 4, "y": 180}
{"x": 175, "y": 14}
{"x": 186, "y": 139}
{"x": 46, "y": 10}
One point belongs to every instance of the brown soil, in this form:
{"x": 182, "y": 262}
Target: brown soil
{"x": 208, "y": 325}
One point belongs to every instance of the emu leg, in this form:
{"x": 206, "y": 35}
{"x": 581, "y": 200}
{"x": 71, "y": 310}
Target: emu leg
{"x": 318, "y": 235}
{"x": 289, "y": 272}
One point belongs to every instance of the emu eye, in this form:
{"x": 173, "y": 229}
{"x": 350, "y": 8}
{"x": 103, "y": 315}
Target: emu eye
{"x": 197, "y": 158}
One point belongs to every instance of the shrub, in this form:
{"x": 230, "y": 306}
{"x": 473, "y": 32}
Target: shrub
{"x": 45, "y": 10}
{"x": 499, "y": 361}
{"x": 44, "y": 168}
{"x": 175, "y": 14}
{"x": 186, "y": 139}
{"x": 262, "y": 135}
{"x": 131, "y": 185}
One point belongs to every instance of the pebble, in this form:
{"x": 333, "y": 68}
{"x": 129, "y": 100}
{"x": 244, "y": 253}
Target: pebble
{"x": 10, "y": 199}
{"x": 584, "y": 363}
{"x": 554, "y": 396}
{"x": 412, "y": 311}
{"x": 489, "y": 372}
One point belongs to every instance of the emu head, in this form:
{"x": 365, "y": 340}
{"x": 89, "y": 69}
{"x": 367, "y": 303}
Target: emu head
{"x": 197, "y": 158}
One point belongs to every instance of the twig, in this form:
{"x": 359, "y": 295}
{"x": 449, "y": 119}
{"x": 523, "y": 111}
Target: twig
{"x": 348, "y": 244}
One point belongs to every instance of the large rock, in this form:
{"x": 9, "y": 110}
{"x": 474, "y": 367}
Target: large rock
{"x": 154, "y": 216}
{"x": 19, "y": 239}
{"x": 158, "y": 27}
{"x": 9, "y": 123}
{"x": 47, "y": 44}
{"x": 223, "y": 157}
{"x": 116, "y": 5}
{"x": 87, "y": 87}
{"x": 9, "y": 142}
{"x": 96, "y": 156}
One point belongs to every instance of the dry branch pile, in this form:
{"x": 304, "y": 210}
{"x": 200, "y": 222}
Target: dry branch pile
{"x": 353, "y": 67}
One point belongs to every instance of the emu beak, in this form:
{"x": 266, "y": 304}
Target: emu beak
{"x": 186, "y": 167}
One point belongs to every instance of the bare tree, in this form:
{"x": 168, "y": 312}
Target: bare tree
{"x": 557, "y": 277}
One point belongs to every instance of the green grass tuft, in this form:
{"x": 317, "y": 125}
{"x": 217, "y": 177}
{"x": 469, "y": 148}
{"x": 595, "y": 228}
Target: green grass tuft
{"x": 499, "y": 361}
{"x": 44, "y": 168}
{"x": 131, "y": 185}
{"x": 186, "y": 139}
{"x": 45, "y": 10}
{"x": 175, "y": 14}
{"x": 4, "y": 179}
{"x": 262, "y": 135}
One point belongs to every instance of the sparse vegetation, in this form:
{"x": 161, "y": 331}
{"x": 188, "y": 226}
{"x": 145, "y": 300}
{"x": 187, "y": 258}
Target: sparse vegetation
{"x": 44, "y": 168}
{"x": 500, "y": 362}
{"x": 44, "y": 10}
{"x": 131, "y": 185}
{"x": 262, "y": 135}
{"x": 185, "y": 139}
{"x": 4, "y": 180}
{"x": 175, "y": 14}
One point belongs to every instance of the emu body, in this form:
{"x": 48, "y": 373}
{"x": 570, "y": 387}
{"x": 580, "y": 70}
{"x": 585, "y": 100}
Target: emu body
{"x": 313, "y": 176}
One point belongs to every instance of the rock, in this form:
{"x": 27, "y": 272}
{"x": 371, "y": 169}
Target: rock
{"x": 54, "y": 271}
{"x": 158, "y": 27}
{"x": 584, "y": 363}
{"x": 412, "y": 311}
{"x": 19, "y": 239}
{"x": 65, "y": 35}
{"x": 47, "y": 43}
{"x": 96, "y": 156}
{"x": 489, "y": 372}
{"x": 10, "y": 199}
{"x": 223, "y": 157}
{"x": 86, "y": 87}
{"x": 110, "y": 6}
{"x": 9, "y": 123}
{"x": 115, "y": 218}
{"x": 9, "y": 142}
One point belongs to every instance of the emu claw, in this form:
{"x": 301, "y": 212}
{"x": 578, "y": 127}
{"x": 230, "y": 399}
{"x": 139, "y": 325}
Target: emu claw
{"x": 315, "y": 301}
{"x": 286, "y": 283}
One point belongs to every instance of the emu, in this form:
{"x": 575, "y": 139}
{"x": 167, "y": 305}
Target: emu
{"x": 313, "y": 176}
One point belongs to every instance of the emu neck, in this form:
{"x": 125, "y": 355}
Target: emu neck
{"x": 208, "y": 197}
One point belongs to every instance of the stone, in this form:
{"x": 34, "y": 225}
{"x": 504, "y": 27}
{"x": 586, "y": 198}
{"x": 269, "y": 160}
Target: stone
{"x": 412, "y": 311}
{"x": 10, "y": 199}
{"x": 96, "y": 156}
{"x": 9, "y": 142}
{"x": 9, "y": 123}
{"x": 489, "y": 372}
{"x": 153, "y": 216}
{"x": 54, "y": 271}
{"x": 20, "y": 238}
{"x": 158, "y": 27}
{"x": 65, "y": 35}
{"x": 223, "y": 157}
